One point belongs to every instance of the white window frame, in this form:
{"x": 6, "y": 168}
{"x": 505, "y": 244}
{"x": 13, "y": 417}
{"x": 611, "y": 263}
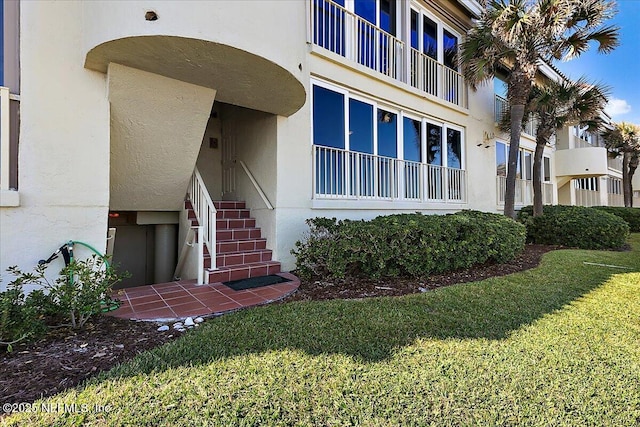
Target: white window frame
{"x": 400, "y": 116}
{"x": 440, "y": 27}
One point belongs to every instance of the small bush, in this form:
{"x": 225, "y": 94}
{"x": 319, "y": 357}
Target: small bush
{"x": 20, "y": 315}
{"x": 413, "y": 245}
{"x": 83, "y": 289}
{"x": 575, "y": 226}
{"x": 630, "y": 215}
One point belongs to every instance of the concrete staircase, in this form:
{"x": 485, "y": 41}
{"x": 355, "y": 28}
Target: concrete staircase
{"x": 241, "y": 252}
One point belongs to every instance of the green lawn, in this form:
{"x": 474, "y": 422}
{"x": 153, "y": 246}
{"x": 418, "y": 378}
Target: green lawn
{"x": 557, "y": 345}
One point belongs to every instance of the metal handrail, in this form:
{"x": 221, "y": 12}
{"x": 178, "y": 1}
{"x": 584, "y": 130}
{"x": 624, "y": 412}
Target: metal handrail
{"x": 205, "y": 212}
{"x": 256, "y": 185}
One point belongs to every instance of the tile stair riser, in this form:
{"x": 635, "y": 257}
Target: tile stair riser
{"x": 245, "y": 271}
{"x": 241, "y": 250}
{"x": 233, "y": 213}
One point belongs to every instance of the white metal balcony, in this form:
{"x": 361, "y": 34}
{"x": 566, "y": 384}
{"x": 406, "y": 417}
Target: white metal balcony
{"x": 616, "y": 199}
{"x": 501, "y": 109}
{"x": 342, "y": 174}
{"x": 340, "y": 31}
{"x": 524, "y": 191}
{"x": 587, "y": 198}
{"x": 615, "y": 164}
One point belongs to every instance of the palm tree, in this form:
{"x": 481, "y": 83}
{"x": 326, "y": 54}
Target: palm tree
{"x": 555, "y": 105}
{"x": 519, "y": 34}
{"x": 624, "y": 139}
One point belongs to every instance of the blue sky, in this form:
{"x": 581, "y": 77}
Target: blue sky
{"x": 620, "y": 69}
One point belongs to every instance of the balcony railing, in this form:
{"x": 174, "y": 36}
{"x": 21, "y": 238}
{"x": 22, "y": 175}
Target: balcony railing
{"x": 616, "y": 200}
{"x": 531, "y": 127}
{"x": 341, "y": 174}
{"x": 524, "y": 191}
{"x": 9, "y": 106}
{"x": 436, "y": 79}
{"x": 587, "y": 197}
{"x": 342, "y": 32}
{"x": 501, "y": 109}
{"x": 345, "y": 33}
{"x": 547, "y": 193}
{"x": 615, "y": 163}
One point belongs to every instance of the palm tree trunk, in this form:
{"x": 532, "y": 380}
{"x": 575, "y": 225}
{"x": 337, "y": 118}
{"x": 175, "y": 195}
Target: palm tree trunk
{"x": 633, "y": 165}
{"x": 537, "y": 174}
{"x": 517, "y": 114}
{"x": 626, "y": 182}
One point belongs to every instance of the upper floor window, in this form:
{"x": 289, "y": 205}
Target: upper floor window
{"x": 431, "y": 38}
{"x": 381, "y": 13}
{"x": 372, "y": 33}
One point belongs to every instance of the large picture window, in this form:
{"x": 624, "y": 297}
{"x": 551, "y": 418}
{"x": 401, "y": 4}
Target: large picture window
{"x": 365, "y": 150}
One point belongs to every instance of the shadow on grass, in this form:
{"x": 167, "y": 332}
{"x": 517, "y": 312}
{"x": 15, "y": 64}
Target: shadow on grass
{"x": 371, "y": 329}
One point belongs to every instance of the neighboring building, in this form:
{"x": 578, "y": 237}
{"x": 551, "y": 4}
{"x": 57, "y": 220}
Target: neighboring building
{"x": 302, "y": 109}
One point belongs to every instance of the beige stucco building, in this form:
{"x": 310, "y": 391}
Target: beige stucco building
{"x": 299, "y": 108}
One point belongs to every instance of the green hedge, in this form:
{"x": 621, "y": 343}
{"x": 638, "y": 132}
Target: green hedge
{"x": 406, "y": 245}
{"x": 630, "y": 215}
{"x": 575, "y": 226}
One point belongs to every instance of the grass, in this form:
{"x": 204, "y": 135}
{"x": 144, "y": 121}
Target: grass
{"x": 556, "y": 345}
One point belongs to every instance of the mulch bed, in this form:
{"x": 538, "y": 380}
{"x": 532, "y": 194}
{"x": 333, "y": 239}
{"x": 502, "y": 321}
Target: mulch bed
{"x": 364, "y": 288}
{"x": 65, "y": 358}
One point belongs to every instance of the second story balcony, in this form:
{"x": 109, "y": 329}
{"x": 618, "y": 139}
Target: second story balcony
{"x": 345, "y": 33}
{"x": 615, "y": 163}
{"x": 501, "y": 109}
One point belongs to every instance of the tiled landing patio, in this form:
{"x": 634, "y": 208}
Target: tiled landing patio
{"x": 178, "y": 300}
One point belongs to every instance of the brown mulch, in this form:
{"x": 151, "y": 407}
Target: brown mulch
{"x": 365, "y": 288}
{"x": 65, "y": 358}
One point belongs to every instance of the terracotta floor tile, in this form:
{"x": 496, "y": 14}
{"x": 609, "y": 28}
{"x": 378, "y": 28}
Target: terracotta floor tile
{"x": 166, "y": 313}
{"x": 180, "y": 300}
{"x": 167, "y": 288}
{"x": 250, "y": 300}
{"x": 148, "y": 295}
{"x": 145, "y": 293}
{"x": 174, "y": 294}
{"x": 189, "y": 299}
{"x": 204, "y": 289}
{"x": 185, "y": 311}
{"x": 267, "y": 292}
{"x": 149, "y": 306}
{"x": 209, "y": 302}
{"x": 219, "y": 308}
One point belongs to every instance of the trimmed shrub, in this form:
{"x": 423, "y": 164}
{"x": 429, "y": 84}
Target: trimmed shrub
{"x": 630, "y": 215}
{"x": 20, "y": 315}
{"x": 406, "y": 245}
{"x": 575, "y": 226}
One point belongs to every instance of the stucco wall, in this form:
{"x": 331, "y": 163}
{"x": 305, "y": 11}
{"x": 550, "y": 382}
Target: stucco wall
{"x": 157, "y": 125}
{"x": 274, "y": 29}
{"x": 250, "y": 51}
{"x": 64, "y": 142}
{"x": 209, "y": 158}
{"x": 255, "y": 136}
